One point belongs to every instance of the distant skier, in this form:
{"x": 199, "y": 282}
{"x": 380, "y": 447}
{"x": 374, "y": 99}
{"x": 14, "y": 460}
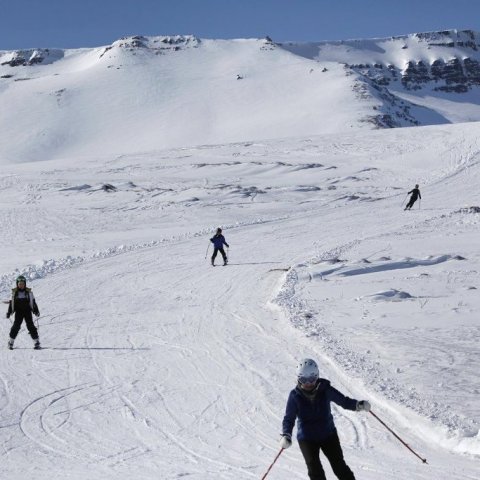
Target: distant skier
{"x": 218, "y": 241}
{"x": 23, "y": 304}
{"x": 415, "y": 195}
{"x": 309, "y": 402}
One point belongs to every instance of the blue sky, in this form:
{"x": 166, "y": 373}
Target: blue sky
{"x": 86, "y": 23}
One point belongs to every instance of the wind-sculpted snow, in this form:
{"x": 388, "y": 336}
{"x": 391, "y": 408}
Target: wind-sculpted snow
{"x": 392, "y": 295}
{"x": 382, "y": 266}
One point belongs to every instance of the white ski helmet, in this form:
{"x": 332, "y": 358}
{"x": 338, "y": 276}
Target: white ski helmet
{"x": 307, "y": 371}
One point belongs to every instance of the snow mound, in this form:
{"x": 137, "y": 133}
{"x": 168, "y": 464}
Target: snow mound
{"x": 391, "y": 295}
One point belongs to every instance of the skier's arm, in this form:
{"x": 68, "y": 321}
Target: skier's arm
{"x": 290, "y": 416}
{"x": 35, "y": 309}
{"x": 411, "y": 191}
{"x": 345, "y": 402}
{"x": 419, "y": 195}
{"x": 9, "y": 312}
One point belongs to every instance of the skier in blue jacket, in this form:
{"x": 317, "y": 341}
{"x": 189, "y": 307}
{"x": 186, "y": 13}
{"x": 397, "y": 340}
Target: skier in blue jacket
{"x": 219, "y": 241}
{"x": 309, "y": 402}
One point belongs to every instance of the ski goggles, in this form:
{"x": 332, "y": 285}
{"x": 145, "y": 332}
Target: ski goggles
{"x": 307, "y": 380}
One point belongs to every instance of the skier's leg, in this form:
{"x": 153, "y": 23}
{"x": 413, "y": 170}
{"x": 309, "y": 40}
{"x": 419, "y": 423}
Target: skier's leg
{"x": 333, "y": 451}
{"x": 215, "y": 251}
{"x": 224, "y": 255}
{"x": 311, "y": 454}
{"x": 32, "y": 329}
{"x": 17, "y": 323}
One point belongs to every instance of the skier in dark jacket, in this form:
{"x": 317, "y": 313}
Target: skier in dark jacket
{"x": 23, "y": 304}
{"x": 218, "y": 241}
{"x": 309, "y": 402}
{"x": 415, "y": 194}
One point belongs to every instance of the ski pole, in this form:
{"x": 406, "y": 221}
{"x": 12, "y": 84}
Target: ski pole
{"x": 206, "y": 253}
{"x": 419, "y": 204}
{"x": 403, "y": 201}
{"x": 273, "y": 463}
{"x": 424, "y": 460}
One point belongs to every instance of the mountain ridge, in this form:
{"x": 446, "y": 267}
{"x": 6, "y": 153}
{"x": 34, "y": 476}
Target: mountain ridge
{"x": 152, "y": 92}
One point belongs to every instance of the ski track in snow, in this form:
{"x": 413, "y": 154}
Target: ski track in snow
{"x": 158, "y": 366}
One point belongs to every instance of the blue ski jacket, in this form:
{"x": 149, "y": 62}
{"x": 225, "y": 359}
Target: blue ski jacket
{"x": 218, "y": 241}
{"x": 315, "y": 420}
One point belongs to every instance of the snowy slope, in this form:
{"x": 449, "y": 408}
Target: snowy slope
{"x": 159, "y": 366}
{"x": 149, "y": 93}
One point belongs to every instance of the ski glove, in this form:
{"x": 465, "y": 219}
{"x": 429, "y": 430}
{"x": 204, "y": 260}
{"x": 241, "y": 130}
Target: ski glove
{"x": 8, "y": 315}
{"x": 285, "y": 441}
{"x": 363, "y": 405}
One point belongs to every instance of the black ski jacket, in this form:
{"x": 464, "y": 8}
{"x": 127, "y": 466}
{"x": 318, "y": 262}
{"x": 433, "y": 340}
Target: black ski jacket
{"x": 22, "y": 301}
{"x": 415, "y": 194}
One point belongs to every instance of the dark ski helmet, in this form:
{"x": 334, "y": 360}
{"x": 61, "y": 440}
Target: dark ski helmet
{"x": 219, "y": 230}
{"x": 416, "y": 186}
{"x": 21, "y": 278}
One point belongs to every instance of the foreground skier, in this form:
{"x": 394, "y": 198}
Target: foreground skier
{"x": 23, "y": 304}
{"x": 218, "y": 241}
{"x": 310, "y": 401}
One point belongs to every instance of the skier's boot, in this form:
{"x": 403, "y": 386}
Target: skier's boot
{"x": 36, "y": 344}
{"x": 10, "y": 343}
{"x": 225, "y": 261}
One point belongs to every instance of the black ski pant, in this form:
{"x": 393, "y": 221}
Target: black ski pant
{"x": 17, "y": 323}
{"x": 333, "y": 451}
{"x": 410, "y": 203}
{"x": 222, "y": 251}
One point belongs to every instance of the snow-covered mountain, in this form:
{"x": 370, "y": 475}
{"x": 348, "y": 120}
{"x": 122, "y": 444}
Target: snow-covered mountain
{"x": 409, "y": 71}
{"x": 144, "y": 93}
{"x": 157, "y": 365}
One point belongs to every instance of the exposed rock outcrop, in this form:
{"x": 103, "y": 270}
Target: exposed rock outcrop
{"x": 458, "y": 74}
{"x": 25, "y": 58}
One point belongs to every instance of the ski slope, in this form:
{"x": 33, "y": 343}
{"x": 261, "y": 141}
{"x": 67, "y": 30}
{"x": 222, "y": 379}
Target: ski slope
{"x": 157, "y": 365}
